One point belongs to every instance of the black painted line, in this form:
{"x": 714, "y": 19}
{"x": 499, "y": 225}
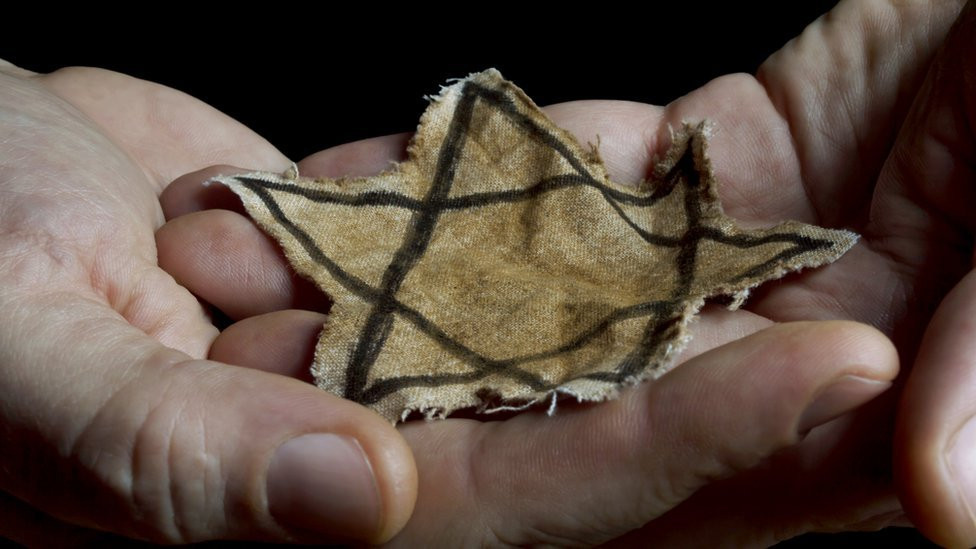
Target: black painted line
{"x": 349, "y": 281}
{"x": 322, "y": 196}
{"x": 371, "y": 295}
{"x": 378, "y": 324}
{"x": 687, "y": 258}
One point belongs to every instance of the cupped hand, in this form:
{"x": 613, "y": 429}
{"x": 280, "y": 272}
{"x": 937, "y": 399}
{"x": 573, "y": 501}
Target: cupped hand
{"x": 724, "y": 440}
{"x": 591, "y": 472}
{"x": 113, "y": 421}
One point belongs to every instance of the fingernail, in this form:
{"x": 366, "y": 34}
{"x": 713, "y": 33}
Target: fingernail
{"x": 324, "y": 483}
{"x": 961, "y": 459}
{"x": 842, "y": 395}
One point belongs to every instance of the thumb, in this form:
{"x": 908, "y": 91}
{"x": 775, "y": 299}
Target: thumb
{"x": 105, "y": 428}
{"x": 936, "y": 435}
{"x": 590, "y": 473}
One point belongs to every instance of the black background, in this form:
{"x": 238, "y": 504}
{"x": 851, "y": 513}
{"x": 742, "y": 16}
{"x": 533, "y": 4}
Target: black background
{"x": 308, "y": 79}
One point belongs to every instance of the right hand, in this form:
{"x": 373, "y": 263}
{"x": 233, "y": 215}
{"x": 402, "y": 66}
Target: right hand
{"x": 823, "y": 115}
{"x": 721, "y": 441}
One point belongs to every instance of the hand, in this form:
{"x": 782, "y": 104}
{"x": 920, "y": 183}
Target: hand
{"x": 923, "y": 207}
{"x": 785, "y": 149}
{"x": 112, "y": 420}
{"x": 886, "y": 147}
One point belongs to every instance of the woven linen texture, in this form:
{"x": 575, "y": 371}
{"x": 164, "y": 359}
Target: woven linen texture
{"x": 498, "y": 266}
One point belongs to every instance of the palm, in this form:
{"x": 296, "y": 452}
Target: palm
{"x": 124, "y": 109}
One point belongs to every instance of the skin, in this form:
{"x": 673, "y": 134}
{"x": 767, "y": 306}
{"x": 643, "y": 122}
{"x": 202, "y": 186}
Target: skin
{"x": 846, "y": 126}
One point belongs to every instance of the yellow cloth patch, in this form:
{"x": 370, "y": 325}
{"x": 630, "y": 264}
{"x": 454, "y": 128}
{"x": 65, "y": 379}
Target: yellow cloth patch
{"x": 499, "y": 266}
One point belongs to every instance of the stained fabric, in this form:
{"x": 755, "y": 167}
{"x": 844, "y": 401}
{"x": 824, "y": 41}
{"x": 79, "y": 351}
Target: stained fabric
{"x": 499, "y": 266}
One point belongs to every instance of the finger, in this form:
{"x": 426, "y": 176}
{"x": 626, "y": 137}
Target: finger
{"x": 842, "y": 89}
{"x": 829, "y": 482}
{"x": 223, "y": 258}
{"x": 804, "y": 139}
{"x": 936, "y": 437}
{"x": 360, "y": 158}
{"x": 629, "y": 136}
{"x": 281, "y": 342}
{"x": 193, "y": 192}
{"x": 167, "y": 132}
{"x": 106, "y": 429}
{"x": 922, "y": 212}
{"x": 592, "y": 471}
{"x": 840, "y": 152}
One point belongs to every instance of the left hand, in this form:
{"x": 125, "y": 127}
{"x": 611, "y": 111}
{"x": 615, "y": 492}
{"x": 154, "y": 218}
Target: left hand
{"x": 112, "y": 421}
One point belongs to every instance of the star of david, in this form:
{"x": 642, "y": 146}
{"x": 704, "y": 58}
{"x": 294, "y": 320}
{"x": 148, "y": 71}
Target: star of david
{"x": 499, "y": 265}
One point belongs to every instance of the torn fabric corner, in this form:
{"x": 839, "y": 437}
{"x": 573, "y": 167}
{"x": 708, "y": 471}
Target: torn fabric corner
{"x": 499, "y": 266}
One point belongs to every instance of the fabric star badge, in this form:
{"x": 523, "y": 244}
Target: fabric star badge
{"x": 499, "y": 267}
